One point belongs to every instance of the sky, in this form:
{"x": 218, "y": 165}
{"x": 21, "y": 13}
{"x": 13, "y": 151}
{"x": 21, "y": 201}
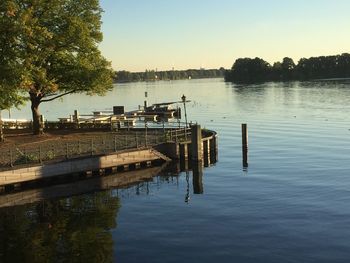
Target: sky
{"x": 183, "y": 34}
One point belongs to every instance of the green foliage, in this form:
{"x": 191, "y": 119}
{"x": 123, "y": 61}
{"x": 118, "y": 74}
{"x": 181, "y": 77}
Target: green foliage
{"x": 9, "y": 70}
{"x": 246, "y": 70}
{"x": 151, "y": 75}
{"x": 53, "y": 47}
{"x": 26, "y": 158}
{"x": 9, "y": 98}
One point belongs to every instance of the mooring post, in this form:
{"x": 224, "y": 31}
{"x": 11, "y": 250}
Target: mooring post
{"x": 196, "y": 142}
{"x": 244, "y": 145}
{"x": 213, "y": 149}
{"x": 197, "y": 177}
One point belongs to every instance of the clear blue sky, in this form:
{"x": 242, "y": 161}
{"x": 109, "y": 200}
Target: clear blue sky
{"x": 161, "y": 34}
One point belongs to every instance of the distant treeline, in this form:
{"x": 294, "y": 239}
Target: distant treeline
{"x": 152, "y": 75}
{"x": 247, "y": 70}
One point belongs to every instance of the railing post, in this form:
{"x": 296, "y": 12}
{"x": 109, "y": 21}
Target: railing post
{"x": 42, "y": 124}
{"x": 146, "y": 134}
{"x": 1, "y": 129}
{"x": 40, "y": 154}
{"x": 25, "y": 155}
{"x": 11, "y": 158}
{"x": 104, "y": 145}
{"x": 115, "y": 143}
{"x": 92, "y": 146}
{"x": 111, "y": 123}
{"x": 67, "y": 149}
{"x": 53, "y": 150}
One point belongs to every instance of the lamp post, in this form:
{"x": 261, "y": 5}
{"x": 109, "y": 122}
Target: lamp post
{"x": 184, "y": 102}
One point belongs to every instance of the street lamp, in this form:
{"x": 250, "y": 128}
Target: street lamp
{"x": 184, "y": 102}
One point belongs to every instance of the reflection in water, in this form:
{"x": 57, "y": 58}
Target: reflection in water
{"x": 292, "y": 207}
{"x": 74, "y": 229}
{"x": 187, "y": 196}
{"x": 77, "y": 228}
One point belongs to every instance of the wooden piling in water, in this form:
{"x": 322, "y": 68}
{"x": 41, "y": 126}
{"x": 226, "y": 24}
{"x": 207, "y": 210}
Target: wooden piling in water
{"x": 196, "y": 142}
{"x": 197, "y": 177}
{"x": 244, "y": 145}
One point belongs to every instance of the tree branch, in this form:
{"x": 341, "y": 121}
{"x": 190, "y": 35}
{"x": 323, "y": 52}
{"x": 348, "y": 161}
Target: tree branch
{"x": 59, "y": 96}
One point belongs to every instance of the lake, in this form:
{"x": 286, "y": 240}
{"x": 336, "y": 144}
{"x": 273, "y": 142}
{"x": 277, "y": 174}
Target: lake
{"x": 290, "y": 205}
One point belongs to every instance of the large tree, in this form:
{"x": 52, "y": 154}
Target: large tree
{"x": 248, "y": 70}
{"x": 54, "y": 46}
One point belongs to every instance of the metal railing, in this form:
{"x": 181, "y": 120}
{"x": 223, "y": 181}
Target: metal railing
{"x": 88, "y": 145}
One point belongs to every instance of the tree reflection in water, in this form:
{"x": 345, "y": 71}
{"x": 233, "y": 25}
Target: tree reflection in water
{"x": 75, "y": 229}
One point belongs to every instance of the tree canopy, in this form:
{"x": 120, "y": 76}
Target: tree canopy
{"x": 247, "y": 70}
{"x": 152, "y": 75}
{"x": 53, "y": 45}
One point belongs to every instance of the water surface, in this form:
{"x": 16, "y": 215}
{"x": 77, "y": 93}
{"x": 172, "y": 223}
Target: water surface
{"x": 291, "y": 205}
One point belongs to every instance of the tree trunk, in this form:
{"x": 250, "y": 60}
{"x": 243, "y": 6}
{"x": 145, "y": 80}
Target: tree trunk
{"x": 37, "y": 125}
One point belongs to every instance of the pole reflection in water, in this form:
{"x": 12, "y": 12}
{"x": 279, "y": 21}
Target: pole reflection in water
{"x": 187, "y": 196}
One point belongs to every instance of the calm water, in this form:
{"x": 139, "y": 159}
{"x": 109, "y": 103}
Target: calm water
{"x": 291, "y": 205}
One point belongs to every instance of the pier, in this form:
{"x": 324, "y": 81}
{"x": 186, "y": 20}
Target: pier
{"x": 104, "y": 153}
